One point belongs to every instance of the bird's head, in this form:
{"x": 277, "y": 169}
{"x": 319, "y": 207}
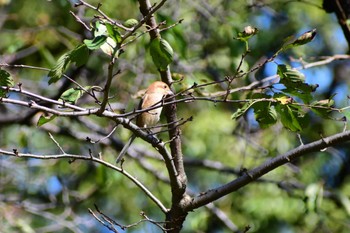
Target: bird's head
{"x": 159, "y": 87}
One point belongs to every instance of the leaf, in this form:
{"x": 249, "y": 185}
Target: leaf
{"x": 314, "y": 194}
{"x": 306, "y": 97}
{"x": 113, "y": 33}
{"x": 283, "y": 99}
{"x": 305, "y": 38}
{"x": 265, "y": 114}
{"x": 56, "y": 73}
{"x": 6, "y": 81}
{"x": 292, "y": 117}
{"x": 294, "y": 81}
{"x": 241, "y": 111}
{"x": 73, "y": 94}
{"x": 344, "y": 200}
{"x": 177, "y": 76}
{"x": 130, "y": 23}
{"x": 108, "y": 46}
{"x": 166, "y": 49}
{"x": 100, "y": 29}
{"x": 286, "y": 72}
{"x": 96, "y": 42}
{"x": 79, "y": 55}
{"x": 264, "y": 111}
{"x": 162, "y": 53}
{"x": 301, "y": 40}
{"x": 107, "y": 38}
{"x": 45, "y": 119}
{"x": 322, "y": 107}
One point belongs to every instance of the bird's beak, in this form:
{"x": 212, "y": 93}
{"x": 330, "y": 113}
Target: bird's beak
{"x": 169, "y": 92}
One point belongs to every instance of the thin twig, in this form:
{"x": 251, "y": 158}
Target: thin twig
{"x": 144, "y": 20}
{"x": 109, "y": 226}
{"x": 80, "y": 21}
{"x": 171, "y": 26}
{"x": 141, "y": 34}
{"x": 108, "y": 135}
{"x": 107, "y": 85}
{"x": 81, "y": 2}
{"x": 57, "y": 144}
{"x": 94, "y": 159}
{"x": 46, "y": 69}
{"x": 39, "y": 97}
{"x": 34, "y": 105}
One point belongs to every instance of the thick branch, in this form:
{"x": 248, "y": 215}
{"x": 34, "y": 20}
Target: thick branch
{"x": 179, "y": 184}
{"x": 268, "y": 166}
{"x": 341, "y": 9}
{"x": 176, "y": 215}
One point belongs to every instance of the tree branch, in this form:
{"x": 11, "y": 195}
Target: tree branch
{"x": 46, "y": 69}
{"x": 176, "y": 184}
{"x": 341, "y": 9}
{"x": 249, "y": 176}
{"x": 81, "y": 2}
{"x": 176, "y": 216}
{"x": 73, "y": 157}
{"x": 107, "y": 86}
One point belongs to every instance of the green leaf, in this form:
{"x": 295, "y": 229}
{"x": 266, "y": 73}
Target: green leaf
{"x": 6, "y": 81}
{"x": 345, "y": 201}
{"x": 113, "y": 33}
{"x": 96, "y": 42}
{"x": 166, "y": 49}
{"x": 283, "y": 99}
{"x": 130, "y": 23}
{"x": 45, "y": 119}
{"x": 305, "y": 38}
{"x": 306, "y": 97}
{"x": 265, "y": 114}
{"x": 241, "y": 111}
{"x": 109, "y": 47}
{"x": 286, "y": 72}
{"x": 99, "y": 29}
{"x": 56, "y": 73}
{"x": 292, "y": 117}
{"x": 322, "y": 107}
{"x": 79, "y": 55}
{"x": 294, "y": 81}
{"x": 314, "y": 194}
{"x": 177, "y": 76}
{"x": 301, "y": 40}
{"x": 162, "y": 53}
{"x": 73, "y": 94}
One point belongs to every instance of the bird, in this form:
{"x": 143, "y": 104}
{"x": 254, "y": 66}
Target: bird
{"x": 152, "y": 97}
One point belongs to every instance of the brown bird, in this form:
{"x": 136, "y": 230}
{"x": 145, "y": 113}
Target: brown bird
{"x": 153, "y": 97}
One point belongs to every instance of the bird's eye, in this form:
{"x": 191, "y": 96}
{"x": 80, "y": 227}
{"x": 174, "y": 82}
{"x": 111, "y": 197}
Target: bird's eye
{"x": 164, "y": 86}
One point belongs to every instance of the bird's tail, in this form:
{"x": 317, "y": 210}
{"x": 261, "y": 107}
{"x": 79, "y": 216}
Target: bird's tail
{"x": 125, "y": 148}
